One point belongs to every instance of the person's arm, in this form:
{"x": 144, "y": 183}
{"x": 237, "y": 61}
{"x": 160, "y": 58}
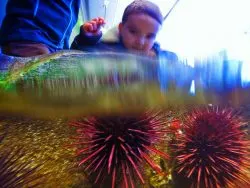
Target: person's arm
{"x": 90, "y": 34}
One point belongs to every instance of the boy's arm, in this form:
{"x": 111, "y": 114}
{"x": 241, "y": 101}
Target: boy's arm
{"x": 84, "y": 41}
{"x": 90, "y": 34}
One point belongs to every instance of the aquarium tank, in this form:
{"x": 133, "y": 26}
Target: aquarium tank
{"x": 79, "y": 119}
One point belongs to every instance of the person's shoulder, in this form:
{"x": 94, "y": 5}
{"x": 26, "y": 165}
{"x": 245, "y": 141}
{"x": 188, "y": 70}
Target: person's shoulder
{"x": 169, "y": 55}
{"x": 111, "y": 35}
{"x": 165, "y": 53}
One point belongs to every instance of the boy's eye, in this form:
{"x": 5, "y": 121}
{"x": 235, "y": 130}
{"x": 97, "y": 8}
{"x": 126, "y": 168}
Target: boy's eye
{"x": 151, "y": 36}
{"x": 132, "y": 31}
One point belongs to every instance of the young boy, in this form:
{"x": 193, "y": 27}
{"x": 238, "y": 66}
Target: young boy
{"x": 137, "y": 32}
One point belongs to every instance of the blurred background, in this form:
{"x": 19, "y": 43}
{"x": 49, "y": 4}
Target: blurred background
{"x": 194, "y": 29}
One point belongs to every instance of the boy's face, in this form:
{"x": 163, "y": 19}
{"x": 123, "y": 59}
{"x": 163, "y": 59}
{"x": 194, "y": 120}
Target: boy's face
{"x": 138, "y": 33}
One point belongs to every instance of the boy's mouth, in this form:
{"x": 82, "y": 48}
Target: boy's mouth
{"x": 138, "y": 49}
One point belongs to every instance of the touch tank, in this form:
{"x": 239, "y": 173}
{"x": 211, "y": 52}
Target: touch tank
{"x": 75, "y": 119}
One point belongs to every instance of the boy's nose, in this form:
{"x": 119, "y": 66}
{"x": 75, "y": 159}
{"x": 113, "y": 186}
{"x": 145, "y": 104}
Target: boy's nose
{"x": 140, "y": 41}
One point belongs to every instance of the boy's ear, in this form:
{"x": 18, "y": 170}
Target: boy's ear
{"x": 120, "y": 27}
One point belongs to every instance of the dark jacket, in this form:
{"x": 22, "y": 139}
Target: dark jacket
{"x": 44, "y": 21}
{"x": 110, "y": 42}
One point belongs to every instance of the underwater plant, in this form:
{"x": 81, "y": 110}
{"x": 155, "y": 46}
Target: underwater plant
{"x": 114, "y": 148}
{"x": 213, "y": 151}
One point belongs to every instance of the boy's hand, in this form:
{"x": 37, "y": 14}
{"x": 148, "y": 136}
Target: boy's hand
{"x": 93, "y": 27}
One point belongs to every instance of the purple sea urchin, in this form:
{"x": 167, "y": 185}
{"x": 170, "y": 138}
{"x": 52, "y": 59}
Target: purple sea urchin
{"x": 115, "y": 147}
{"x": 17, "y": 173}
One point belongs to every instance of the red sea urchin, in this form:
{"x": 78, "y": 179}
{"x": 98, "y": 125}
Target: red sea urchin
{"x": 213, "y": 151}
{"x": 115, "y": 147}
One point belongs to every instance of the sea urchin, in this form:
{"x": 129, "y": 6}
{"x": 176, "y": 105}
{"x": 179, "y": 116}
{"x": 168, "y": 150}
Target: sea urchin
{"x": 14, "y": 172}
{"x": 115, "y": 147}
{"x": 213, "y": 151}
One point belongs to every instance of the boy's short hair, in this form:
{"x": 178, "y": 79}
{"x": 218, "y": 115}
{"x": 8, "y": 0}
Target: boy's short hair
{"x": 144, "y": 7}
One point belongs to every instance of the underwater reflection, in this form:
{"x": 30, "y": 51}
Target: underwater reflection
{"x": 73, "y": 83}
